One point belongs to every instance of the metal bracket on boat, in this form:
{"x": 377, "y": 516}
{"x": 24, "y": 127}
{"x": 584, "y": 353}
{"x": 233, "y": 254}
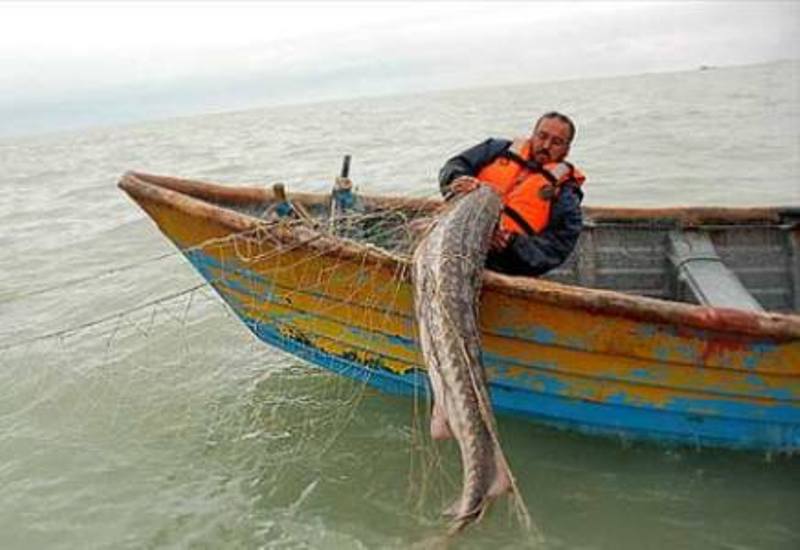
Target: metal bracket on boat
{"x": 342, "y": 197}
{"x": 699, "y": 266}
{"x": 286, "y": 207}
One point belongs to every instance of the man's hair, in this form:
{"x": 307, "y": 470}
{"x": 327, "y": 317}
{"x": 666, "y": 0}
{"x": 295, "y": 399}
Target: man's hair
{"x": 563, "y": 118}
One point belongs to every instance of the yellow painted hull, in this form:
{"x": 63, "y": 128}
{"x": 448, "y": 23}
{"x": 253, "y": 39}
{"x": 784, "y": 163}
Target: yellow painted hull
{"x": 592, "y": 360}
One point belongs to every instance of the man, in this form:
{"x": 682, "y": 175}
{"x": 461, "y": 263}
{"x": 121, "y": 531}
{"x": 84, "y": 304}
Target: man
{"x": 541, "y": 219}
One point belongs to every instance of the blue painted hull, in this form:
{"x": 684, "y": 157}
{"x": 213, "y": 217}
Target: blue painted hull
{"x": 676, "y": 426}
{"x": 741, "y": 426}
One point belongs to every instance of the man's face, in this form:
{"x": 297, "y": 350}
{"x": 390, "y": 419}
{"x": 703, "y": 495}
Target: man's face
{"x": 550, "y": 141}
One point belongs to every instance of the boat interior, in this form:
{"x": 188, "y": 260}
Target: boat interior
{"x": 742, "y": 258}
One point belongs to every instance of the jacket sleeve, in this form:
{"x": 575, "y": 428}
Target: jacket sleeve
{"x": 534, "y": 255}
{"x": 470, "y": 162}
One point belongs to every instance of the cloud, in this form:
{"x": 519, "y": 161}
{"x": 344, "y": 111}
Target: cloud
{"x": 215, "y": 56}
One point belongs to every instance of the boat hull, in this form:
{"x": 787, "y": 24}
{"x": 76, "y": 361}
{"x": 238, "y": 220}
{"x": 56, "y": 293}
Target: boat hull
{"x": 679, "y": 374}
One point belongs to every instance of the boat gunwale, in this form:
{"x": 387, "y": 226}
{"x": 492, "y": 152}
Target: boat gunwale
{"x": 679, "y": 216}
{"x": 202, "y": 199}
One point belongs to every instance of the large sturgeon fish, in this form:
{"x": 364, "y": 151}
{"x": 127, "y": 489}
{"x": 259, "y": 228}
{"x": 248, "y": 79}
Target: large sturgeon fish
{"x": 447, "y": 272}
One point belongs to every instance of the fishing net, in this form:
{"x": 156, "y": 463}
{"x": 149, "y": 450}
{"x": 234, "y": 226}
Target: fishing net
{"x": 283, "y": 411}
{"x": 328, "y": 284}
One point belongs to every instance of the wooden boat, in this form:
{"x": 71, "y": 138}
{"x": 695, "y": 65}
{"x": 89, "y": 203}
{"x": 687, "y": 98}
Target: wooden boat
{"x": 656, "y": 329}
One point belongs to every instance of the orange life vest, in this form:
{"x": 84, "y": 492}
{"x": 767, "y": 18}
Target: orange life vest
{"x": 528, "y": 191}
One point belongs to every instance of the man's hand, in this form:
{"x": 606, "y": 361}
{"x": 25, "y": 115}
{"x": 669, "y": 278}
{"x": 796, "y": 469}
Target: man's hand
{"x": 500, "y": 240}
{"x": 464, "y": 184}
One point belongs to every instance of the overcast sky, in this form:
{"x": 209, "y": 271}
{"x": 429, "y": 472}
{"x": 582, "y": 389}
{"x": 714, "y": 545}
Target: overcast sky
{"x": 65, "y": 65}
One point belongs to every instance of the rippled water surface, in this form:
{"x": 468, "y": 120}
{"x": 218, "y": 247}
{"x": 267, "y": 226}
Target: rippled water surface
{"x": 170, "y": 426}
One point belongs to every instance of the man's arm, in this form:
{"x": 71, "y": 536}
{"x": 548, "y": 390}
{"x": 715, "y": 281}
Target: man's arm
{"x": 470, "y": 162}
{"x": 534, "y": 255}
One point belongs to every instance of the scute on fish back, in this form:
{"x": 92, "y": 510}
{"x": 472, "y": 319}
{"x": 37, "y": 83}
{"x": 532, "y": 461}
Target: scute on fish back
{"x": 448, "y": 269}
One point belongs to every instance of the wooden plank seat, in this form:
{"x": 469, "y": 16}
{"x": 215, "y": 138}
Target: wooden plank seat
{"x": 700, "y": 268}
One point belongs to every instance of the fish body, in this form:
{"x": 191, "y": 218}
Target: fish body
{"x": 448, "y": 267}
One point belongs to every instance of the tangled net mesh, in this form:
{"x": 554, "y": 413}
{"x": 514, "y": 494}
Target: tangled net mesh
{"x": 382, "y": 240}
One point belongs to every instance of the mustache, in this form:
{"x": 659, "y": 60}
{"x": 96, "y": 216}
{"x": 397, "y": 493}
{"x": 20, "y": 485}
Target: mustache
{"x": 543, "y": 152}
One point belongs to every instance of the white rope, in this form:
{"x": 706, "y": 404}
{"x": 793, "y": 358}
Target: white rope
{"x": 86, "y": 278}
{"x": 114, "y": 316}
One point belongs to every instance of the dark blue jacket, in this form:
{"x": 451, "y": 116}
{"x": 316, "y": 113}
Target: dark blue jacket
{"x": 526, "y": 254}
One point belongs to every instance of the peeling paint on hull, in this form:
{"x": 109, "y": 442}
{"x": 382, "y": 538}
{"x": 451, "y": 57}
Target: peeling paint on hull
{"x": 605, "y": 396}
{"x": 597, "y": 370}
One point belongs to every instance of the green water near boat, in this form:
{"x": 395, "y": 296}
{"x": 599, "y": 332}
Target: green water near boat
{"x": 173, "y": 427}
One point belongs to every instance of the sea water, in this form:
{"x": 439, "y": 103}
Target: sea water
{"x": 160, "y": 422}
